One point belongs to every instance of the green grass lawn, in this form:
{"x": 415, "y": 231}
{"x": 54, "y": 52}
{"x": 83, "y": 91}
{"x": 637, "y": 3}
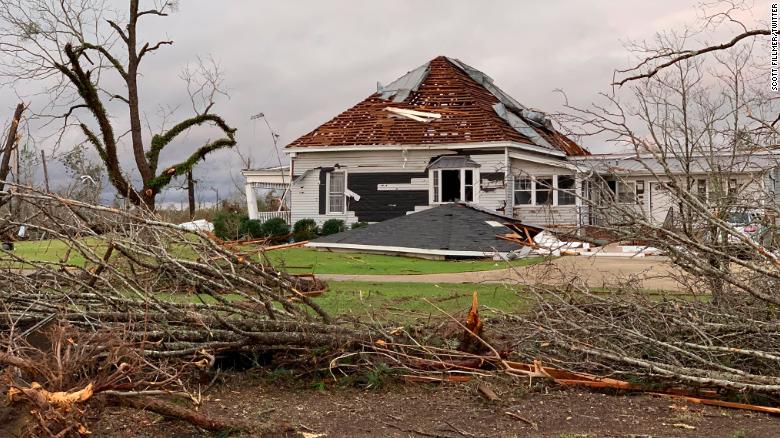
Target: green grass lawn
{"x": 406, "y": 300}
{"x": 46, "y": 251}
{"x": 294, "y": 260}
{"x": 305, "y": 260}
{"x": 397, "y": 301}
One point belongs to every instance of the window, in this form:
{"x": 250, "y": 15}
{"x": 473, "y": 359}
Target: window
{"x": 701, "y": 189}
{"x": 336, "y": 197}
{"x": 454, "y": 185}
{"x": 732, "y": 187}
{"x": 435, "y": 186}
{"x": 567, "y": 194}
{"x": 468, "y": 185}
{"x": 523, "y": 191}
{"x": 626, "y": 192}
{"x": 544, "y": 191}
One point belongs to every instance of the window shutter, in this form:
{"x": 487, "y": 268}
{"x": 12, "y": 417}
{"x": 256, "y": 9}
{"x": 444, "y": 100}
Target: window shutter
{"x": 322, "y": 192}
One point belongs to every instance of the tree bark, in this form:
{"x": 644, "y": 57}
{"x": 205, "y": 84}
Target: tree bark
{"x": 10, "y": 141}
{"x": 191, "y": 194}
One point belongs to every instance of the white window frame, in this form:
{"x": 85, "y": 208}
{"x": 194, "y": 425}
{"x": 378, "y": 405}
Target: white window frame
{"x": 327, "y": 194}
{"x": 531, "y": 190}
{"x": 551, "y": 189}
{"x": 475, "y": 183}
{"x": 558, "y": 190}
{"x": 536, "y": 187}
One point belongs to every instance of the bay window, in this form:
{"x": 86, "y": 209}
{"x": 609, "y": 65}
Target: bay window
{"x": 545, "y": 190}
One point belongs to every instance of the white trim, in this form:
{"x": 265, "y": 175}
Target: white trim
{"x": 551, "y": 188}
{"x": 546, "y": 161}
{"x": 475, "y": 185}
{"x": 558, "y": 190}
{"x": 482, "y": 145}
{"x": 327, "y": 193}
{"x": 443, "y": 252}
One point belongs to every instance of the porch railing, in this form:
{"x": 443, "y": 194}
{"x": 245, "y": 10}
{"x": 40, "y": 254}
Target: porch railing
{"x": 263, "y": 216}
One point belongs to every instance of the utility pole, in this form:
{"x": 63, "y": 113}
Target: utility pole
{"x": 216, "y": 191}
{"x": 45, "y": 171}
{"x": 191, "y": 193}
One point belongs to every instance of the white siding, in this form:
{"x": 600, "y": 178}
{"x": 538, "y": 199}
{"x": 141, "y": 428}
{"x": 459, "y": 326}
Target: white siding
{"x": 305, "y": 193}
{"x": 492, "y": 194}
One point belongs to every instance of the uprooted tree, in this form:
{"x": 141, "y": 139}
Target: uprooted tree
{"x": 82, "y": 57}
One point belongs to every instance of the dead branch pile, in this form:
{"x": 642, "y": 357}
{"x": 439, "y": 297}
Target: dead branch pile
{"x": 131, "y": 306}
{"x": 661, "y": 342}
{"x": 177, "y": 291}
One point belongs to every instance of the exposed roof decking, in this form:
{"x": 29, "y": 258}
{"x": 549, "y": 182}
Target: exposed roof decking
{"x": 465, "y": 98}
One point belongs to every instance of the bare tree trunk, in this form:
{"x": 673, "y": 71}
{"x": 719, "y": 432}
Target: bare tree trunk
{"x": 5, "y": 164}
{"x": 45, "y": 171}
{"x": 191, "y": 194}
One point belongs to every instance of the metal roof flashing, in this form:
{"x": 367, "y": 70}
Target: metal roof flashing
{"x": 400, "y": 88}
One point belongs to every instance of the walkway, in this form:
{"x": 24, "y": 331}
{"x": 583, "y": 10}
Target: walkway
{"x": 650, "y": 273}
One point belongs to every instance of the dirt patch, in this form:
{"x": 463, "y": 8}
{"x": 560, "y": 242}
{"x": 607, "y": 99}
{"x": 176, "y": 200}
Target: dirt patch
{"x": 451, "y": 410}
{"x": 655, "y": 273}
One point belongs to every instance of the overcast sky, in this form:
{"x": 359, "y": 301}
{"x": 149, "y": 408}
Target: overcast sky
{"x": 302, "y": 62}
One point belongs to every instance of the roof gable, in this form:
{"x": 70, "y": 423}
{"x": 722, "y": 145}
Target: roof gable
{"x": 441, "y": 102}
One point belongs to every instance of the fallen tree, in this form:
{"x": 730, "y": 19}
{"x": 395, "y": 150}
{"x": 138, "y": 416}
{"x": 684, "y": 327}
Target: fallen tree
{"x": 119, "y": 307}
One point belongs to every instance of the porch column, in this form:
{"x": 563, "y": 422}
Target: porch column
{"x": 251, "y": 201}
{"x": 579, "y": 193}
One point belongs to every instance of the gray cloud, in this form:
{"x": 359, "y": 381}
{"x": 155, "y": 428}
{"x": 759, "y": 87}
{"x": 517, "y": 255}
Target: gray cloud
{"x": 302, "y": 62}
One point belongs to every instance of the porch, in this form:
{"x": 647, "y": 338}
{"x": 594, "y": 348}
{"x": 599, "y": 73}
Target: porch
{"x": 272, "y": 178}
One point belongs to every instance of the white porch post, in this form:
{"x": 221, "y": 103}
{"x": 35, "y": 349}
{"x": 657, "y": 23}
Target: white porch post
{"x": 251, "y": 201}
{"x": 578, "y": 195}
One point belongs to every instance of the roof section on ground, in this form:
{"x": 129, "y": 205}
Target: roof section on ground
{"x": 448, "y": 229}
{"x": 471, "y": 109}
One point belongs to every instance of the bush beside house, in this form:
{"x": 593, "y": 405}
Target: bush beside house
{"x": 332, "y": 226}
{"x": 227, "y": 225}
{"x": 305, "y": 229}
{"x": 275, "y": 227}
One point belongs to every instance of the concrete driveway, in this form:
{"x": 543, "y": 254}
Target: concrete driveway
{"x": 648, "y": 273}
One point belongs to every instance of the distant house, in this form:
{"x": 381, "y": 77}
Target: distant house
{"x": 444, "y": 132}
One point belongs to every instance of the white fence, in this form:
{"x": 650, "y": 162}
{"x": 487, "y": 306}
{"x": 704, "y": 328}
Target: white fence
{"x": 263, "y": 216}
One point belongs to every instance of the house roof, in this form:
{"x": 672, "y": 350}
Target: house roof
{"x": 448, "y": 229}
{"x": 453, "y": 162}
{"x": 441, "y": 102}
{"x": 631, "y": 164}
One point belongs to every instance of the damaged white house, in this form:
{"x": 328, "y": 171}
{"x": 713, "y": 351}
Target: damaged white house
{"x": 444, "y": 133}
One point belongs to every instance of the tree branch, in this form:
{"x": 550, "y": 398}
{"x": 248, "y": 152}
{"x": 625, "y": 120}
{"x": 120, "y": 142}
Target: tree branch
{"x": 161, "y": 140}
{"x": 146, "y": 49}
{"x": 681, "y": 56}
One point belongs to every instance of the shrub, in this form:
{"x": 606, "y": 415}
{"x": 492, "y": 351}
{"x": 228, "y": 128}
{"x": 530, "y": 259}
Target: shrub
{"x": 305, "y": 229}
{"x": 359, "y": 225}
{"x": 332, "y": 226}
{"x": 275, "y": 227}
{"x": 227, "y": 225}
{"x": 251, "y": 227}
